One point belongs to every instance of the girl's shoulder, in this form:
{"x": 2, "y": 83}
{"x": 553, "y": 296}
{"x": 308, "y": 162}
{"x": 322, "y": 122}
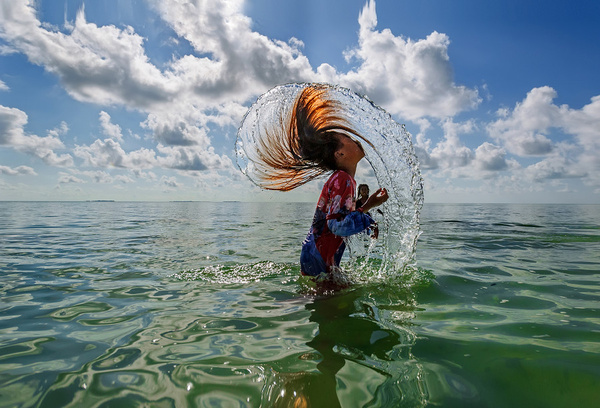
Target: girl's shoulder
{"x": 340, "y": 180}
{"x": 340, "y": 175}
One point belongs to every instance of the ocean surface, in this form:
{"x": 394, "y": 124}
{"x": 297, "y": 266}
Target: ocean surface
{"x": 194, "y": 304}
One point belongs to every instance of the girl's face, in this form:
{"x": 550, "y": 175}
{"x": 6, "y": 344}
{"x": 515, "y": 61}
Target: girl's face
{"x": 363, "y": 191}
{"x": 350, "y": 150}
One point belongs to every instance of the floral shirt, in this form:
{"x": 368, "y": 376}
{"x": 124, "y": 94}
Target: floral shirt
{"x": 335, "y": 218}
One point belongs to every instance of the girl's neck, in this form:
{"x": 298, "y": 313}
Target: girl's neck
{"x": 350, "y": 169}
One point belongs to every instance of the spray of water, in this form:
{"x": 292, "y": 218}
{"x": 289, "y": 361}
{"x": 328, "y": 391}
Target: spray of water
{"x": 392, "y": 158}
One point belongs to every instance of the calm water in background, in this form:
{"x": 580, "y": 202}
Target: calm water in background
{"x": 199, "y": 304}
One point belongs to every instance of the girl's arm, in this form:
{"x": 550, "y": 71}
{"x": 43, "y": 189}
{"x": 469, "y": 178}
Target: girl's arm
{"x": 350, "y": 224}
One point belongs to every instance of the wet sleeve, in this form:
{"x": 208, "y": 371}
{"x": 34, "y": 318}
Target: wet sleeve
{"x": 352, "y": 223}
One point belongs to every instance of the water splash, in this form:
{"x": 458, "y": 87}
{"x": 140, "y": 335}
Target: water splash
{"x": 237, "y": 273}
{"x": 392, "y": 158}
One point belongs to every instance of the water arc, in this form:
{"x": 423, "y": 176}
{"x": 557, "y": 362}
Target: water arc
{"x": 392, "y": 158}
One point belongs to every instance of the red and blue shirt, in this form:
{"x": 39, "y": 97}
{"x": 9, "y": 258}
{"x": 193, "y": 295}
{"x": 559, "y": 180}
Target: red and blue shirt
{"x": 335, "y": 218}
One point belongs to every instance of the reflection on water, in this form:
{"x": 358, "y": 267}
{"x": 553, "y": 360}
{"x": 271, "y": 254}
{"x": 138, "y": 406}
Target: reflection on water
{"x": 361, "y": 361}
{"x": 254, "y": 347}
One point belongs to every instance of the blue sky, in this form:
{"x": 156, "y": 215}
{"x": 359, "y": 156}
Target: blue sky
{"x": 141, "y": 99}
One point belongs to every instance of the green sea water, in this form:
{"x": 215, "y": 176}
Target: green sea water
{"x": 201, "y": 305}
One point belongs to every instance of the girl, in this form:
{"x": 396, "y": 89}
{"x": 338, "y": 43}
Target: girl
{"x": 315, "y": 139}
{"x": 363, "y": 195}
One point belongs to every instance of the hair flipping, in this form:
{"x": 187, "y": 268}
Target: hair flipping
{"x": 301, "y": 147}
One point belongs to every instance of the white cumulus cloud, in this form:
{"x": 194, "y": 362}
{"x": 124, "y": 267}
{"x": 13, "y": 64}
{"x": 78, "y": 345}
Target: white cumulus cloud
{"x": 110, "y": 129}
{"x": 12, "y": 134}
{"x": 17, "y": 171}
{"x": 525, "y": 131}
{"x": 410, "y": 78}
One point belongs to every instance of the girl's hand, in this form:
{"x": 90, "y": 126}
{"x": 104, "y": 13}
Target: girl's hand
{"x": 377, "y": 198}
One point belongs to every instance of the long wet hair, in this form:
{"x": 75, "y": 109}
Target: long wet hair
{"x": 302, "y": 146}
